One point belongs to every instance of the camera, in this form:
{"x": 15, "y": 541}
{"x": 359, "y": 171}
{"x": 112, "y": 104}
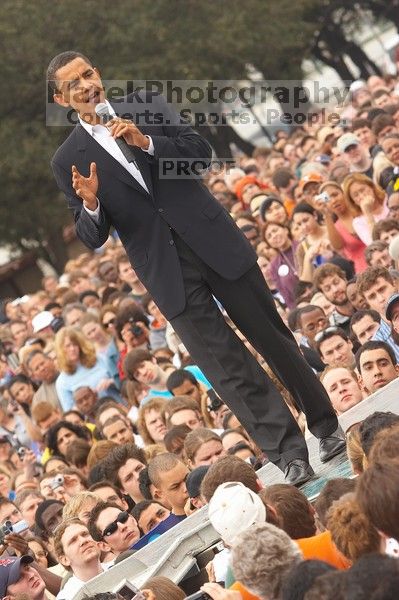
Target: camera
{"x": 216, "y": 402}
{"x": 57, "y": 482}
{"x": 323, "y": 197}
{"x": 21, "y": 452}
{"x": 136, "y": 330}
{"x": 198, "y": 596}
{"x": 8, "y": 528}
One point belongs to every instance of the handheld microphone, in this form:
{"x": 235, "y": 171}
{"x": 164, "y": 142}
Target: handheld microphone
{"x": 102, "y": 111}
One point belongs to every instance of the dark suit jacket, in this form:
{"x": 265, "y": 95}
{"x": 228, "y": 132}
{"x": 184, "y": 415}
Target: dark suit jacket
{"x": 144, "y": 220}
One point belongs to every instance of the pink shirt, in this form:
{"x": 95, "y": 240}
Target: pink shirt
{"x": 362, "y": 227}
{"x": 353, "y": 247}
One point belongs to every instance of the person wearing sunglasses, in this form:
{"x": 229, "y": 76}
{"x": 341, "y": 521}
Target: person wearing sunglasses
{"x": 118, "y": 529}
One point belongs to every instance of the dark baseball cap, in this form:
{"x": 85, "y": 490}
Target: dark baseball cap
{"x": 390, "y": 304}
{"x": 10, "y": 571}
{"x": 194, "y": 480}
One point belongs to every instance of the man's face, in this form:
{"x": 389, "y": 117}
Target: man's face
{"x": 108, "y": 494}
{"x": 336, "y": 351}
{"x": 80, "y": 87}
{"x": 124, "y": 536}
{"x": 187, "y": 388}
{"x": 381, "y": 258}
{"x": 366, "y": 136}
{"x": 85, "y": 400}
{"x": 108, "y": 273}
{"x": 129, "y": 478}
{"x": 19, "y": 332}
{"x": 51, "y": 420}
{"x": 342, "y": 389}
{"x": 357, "y": 300}
{"x": 334, "y": 289}
{"x": 387, "y": 236}
{"x": 188, "y": 417}
{"x": 378, "y": 294}
{"x": 22, "y": 392}
{"x": 64, "y": 438}
{"x": 73, "y": 318}
{"x": 313, "y": 322}
{"x": 365, "y": 329}
{"x": 355, "y": 154}
{"x": 92, "y": 302}
{"x": 382, "y": 100}
{"x": 172, "y": 487}
{"x": 393, "y": 204}
{"x": 152, "y": 516}
{"x": 118, "y": 432}
{"x": 9, "y": 512}
{"x": 155, "y": 425}
{"x": 29, "y": 583}
{"x": 42, "y": 368}
{"x": 78, "y": 546}
{"x": 391, "y": 149}
{"x": 147, "y": 372}
{"x": 127, "y": 274}
{"x": 376, "y": 370}
{"x": 29, "y": 507}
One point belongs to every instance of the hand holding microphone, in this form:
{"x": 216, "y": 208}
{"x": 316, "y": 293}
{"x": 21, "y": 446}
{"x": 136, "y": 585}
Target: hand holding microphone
{"x": 124, "y": 131}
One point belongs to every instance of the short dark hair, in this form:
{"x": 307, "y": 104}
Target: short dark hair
{"x": 141, "y": 507}
{"x": 105, "y": 483}
{"x": 332, "y": 491}
{"x": 374, "y": 345}
{"x": 360, "y": 123}
{"x": 178, "y": 377}
{"x": 293, "y": 508}
{"x": 145, "y": 484}
{"x": 228, "y": 468}
{"x": 133, "y": 359}
{"x": 94, "y": 531}
{"x": 304, "y": 310}
{"x": 372, "y": 425}
{"x": 360, "y": 314}
{"x": 60, "y": 61}
{"x": 118, "y": 456}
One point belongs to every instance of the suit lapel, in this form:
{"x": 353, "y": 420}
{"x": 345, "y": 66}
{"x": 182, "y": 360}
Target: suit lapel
{"x": 105, "y": 162}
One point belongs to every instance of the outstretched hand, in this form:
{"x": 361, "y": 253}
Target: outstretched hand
{"x": 86, "y": 187}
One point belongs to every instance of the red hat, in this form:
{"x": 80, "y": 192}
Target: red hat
{"x": 247, "y": 180}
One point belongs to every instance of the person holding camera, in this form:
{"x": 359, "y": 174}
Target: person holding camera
{"x": 338, "y": 218}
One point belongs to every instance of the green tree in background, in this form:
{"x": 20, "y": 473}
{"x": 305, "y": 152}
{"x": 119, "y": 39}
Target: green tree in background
{"x": 163, "y": 39}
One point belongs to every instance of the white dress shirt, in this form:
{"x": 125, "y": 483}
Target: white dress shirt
{"x": 102, "y": 136}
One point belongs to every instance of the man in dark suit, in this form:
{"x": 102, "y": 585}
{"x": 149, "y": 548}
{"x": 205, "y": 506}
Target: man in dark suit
{"x": 186, "y": 249}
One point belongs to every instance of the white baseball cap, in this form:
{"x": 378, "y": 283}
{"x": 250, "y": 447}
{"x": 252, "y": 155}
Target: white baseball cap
{"x": 233, "y": 508}
{"x": 42, "y": 320}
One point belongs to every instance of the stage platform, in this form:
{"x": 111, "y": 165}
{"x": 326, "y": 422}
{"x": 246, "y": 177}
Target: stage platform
{"x": 175, "y": 553}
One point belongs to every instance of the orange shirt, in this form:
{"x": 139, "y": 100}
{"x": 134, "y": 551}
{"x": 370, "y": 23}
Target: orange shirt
{"x": 238, "y": 587}
{"x": 321, "y": 547}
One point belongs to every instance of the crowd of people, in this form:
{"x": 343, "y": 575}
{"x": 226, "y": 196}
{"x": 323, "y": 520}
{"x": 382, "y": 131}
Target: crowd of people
{"x": 110, "y": 435}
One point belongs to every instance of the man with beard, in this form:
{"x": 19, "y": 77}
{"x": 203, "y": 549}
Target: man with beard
{"x": 331, "y": 281}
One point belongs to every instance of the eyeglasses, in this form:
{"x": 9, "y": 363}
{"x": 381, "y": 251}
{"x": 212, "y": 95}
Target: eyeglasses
{"x": 108, "y": 324}
{"x": 112, "y": 527}
{"x": 319, "y": 337}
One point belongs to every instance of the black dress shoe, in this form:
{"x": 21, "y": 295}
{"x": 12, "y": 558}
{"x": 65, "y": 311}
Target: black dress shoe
{"x": 332, "y": 445}
{"x": 298, "y": 471}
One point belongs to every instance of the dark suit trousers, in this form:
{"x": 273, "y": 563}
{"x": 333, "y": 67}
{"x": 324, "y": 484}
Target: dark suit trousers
{"x": 234, "y": 372}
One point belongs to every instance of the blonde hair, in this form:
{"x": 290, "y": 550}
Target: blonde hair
{"x": 73, "y": 507}
{"x": 153, "y": 450}
{"x": 194, "y": 441}
{"x": 100, "y": 451}
{"x": 87, "y": 352}
{"x": 158, "y": 404}
{"x": 349, "y": 180}
{"x": 354, "y": 449}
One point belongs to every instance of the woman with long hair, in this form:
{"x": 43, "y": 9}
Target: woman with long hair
{"x": 202, "y": 447}
{"x": 363, "y": 194}
{"x": 338, "y": 218}
{"x": 283, "y": 268}
{"x": 79, "y": 366}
